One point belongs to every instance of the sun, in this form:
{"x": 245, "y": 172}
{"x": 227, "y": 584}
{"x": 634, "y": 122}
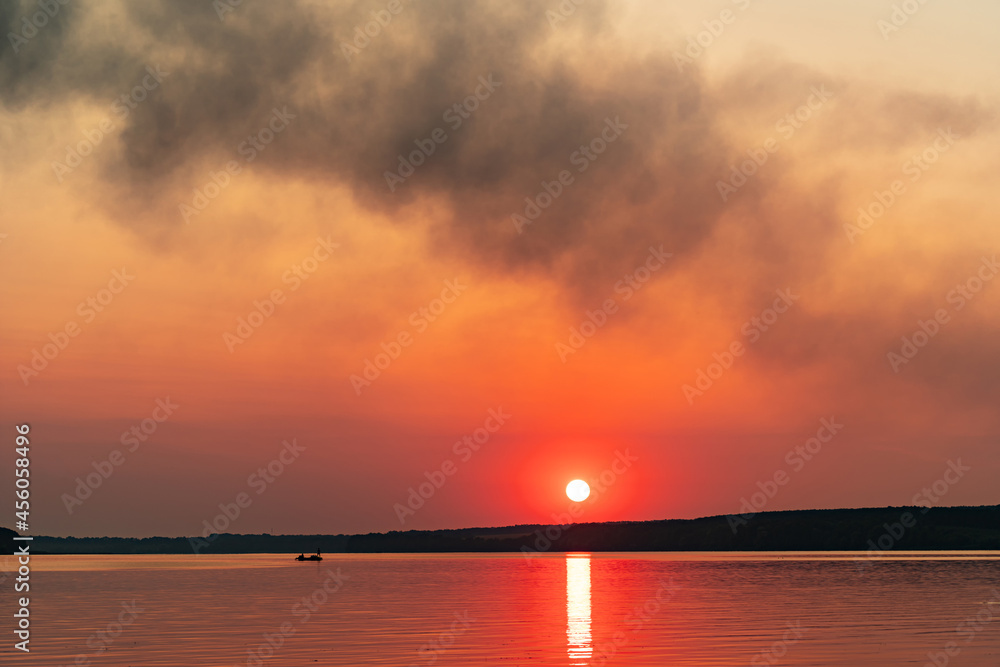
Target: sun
{"x": 578, "y": 490}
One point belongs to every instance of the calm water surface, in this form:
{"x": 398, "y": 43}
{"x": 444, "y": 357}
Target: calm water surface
{"x": 504, "y": 609}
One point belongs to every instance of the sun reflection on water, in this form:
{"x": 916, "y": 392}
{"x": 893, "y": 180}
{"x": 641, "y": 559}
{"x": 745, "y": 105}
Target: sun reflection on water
{"x": 578, "y": 638}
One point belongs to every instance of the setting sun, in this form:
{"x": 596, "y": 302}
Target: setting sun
{"x": 578, "y": 490}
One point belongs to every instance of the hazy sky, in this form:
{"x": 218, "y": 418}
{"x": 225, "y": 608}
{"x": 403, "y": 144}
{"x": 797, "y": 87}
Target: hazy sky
{"x": 167, "y": 168}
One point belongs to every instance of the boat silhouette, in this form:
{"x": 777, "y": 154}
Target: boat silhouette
{"x": 315, "y": 556}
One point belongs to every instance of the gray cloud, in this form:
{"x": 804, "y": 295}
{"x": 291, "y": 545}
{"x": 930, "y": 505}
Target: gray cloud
{"x": 654, "y": 184}
{"x": 354, "y": 119}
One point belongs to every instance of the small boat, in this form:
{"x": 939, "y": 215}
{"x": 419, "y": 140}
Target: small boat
{"x": 315, "y": 556}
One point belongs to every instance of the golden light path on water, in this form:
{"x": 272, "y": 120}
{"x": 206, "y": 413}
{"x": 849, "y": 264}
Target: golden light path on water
{"x": 392, "y": 608}
{"x": 578, "y": 638}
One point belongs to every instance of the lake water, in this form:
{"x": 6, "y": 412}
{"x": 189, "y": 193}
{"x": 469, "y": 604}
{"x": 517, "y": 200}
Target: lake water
{"x": 503, "y": 609}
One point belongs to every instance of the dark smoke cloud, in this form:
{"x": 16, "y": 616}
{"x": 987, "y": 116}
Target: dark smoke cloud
{"x": 30, "y": 54}
{"x": 655, "y": 184}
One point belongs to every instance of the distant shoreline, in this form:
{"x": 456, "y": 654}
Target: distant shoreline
{"x": 872, "y": 530}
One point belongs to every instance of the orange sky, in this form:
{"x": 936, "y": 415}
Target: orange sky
{"x": 311, "y": 214}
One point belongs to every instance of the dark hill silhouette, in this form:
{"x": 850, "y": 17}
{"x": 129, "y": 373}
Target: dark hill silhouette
{"x": 942, "y": 528}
